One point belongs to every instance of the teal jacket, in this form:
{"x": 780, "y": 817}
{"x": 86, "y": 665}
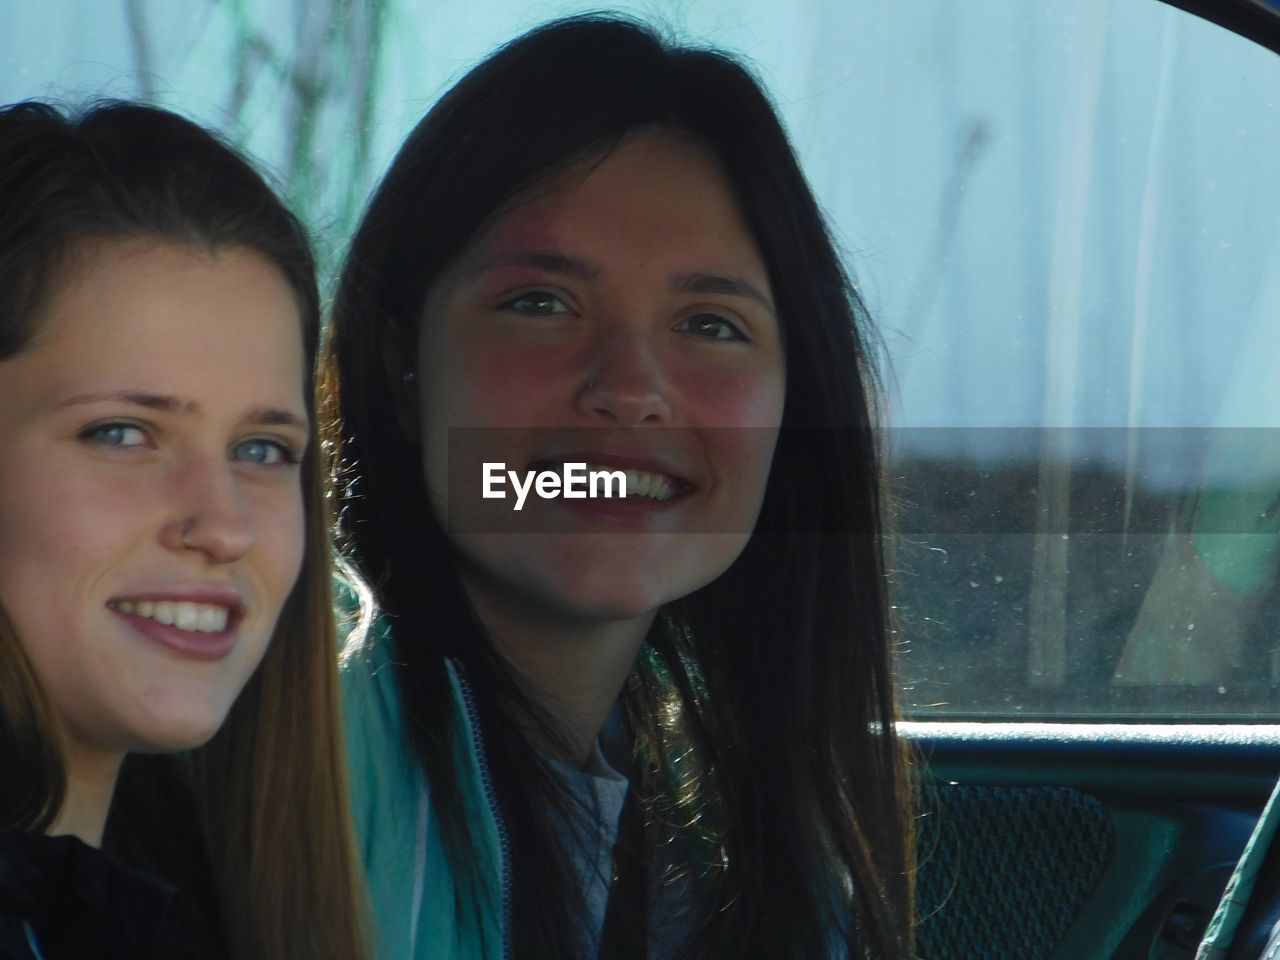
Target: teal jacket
{"x": 411, "y": 887}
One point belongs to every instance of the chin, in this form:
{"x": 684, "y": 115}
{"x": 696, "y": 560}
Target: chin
{"x": 178, "y": 730}
{"x": 605, "y": 610}
{"x": 612, "y": 601}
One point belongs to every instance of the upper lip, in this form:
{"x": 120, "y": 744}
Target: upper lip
{"x": 217, "y": 596}
{"x": 617, "y": 461}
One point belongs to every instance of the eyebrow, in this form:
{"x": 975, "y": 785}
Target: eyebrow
{"x": 267, "y": 416}
{"x": 584, "y": 270}
{"x": 715, "y": 283}
{"x": 541, "y": 260}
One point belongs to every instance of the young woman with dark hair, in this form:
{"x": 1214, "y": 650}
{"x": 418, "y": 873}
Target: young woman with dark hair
{"x": 657, "y": 727}
{"x": 173, "y": 778}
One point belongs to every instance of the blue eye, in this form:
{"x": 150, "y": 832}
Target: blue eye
{"x": 116, "y": 435}
{"x": 536, "y": 303}
{"x": 268, "y": 453}
{"x": 710, "y": 326}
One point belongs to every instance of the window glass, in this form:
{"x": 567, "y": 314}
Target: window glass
{"x": 1083, "y": 343}
{"x": 1063, "y": 217}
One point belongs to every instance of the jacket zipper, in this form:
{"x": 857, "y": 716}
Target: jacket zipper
{"x": 491, "y": 797}
{"x": 31, "y": 940}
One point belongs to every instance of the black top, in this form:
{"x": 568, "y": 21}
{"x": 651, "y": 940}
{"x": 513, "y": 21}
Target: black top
{"x": 73, "y": 901}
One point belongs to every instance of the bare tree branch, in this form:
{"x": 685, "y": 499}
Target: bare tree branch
{"x": 136, "y": 18}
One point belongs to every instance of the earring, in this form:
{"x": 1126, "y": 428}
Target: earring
{"x": 409, "y": 377}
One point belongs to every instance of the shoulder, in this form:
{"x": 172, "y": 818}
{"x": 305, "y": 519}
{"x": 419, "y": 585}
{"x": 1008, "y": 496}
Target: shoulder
{"x": 409, "y": 874}
{"x": 18, "y": 899}
{"x": 388, "y": 792}
{"x": 72, "y": 900}
{"x": 367, "y": 666}
{"x": 378, "y": 744}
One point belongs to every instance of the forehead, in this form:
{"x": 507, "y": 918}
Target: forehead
{"x": 659, "y": 196}
{"x": 167, "y": 316}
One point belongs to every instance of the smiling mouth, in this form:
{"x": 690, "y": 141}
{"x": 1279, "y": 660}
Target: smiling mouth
{"x": 644, "y": 483}
{"x": 180, "y": 614}
{"x": 640, "y": 484}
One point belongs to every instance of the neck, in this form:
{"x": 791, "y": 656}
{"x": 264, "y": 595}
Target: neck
{"x": 574, "y": 670}
{"x": 91, "y": 781}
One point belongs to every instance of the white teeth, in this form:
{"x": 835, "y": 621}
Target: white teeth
{"x": 641, "y": 483}
{"x": 193, "y": 617}
{"x": 186, "y": 616}
{"x": 212, "y": 619}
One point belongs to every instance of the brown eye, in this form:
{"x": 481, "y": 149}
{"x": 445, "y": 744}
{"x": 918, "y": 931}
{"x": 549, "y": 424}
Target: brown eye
{"x": 711, "y": 326}
{"x": 537, "y": 303}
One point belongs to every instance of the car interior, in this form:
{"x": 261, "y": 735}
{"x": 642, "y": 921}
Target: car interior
{"x": 1064, "y": 222}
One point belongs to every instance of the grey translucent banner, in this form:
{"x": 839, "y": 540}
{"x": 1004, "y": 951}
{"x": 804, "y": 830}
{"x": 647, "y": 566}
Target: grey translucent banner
{"x": 1199, "y": 481}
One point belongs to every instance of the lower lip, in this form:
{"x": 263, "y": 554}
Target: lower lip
{"x": 187, "y": 643}
{"x": 620, "y": 509}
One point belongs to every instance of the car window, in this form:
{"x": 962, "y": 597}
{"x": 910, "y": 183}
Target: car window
{"x": 1064, "y": 219}
{"x": 1084, "y": 355}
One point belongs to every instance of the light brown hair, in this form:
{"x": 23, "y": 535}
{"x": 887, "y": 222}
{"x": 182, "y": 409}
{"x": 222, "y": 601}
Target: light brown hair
{"x": 271, "y": 785}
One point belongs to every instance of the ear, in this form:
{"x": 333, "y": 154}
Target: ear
{"x": 400, "y": 367}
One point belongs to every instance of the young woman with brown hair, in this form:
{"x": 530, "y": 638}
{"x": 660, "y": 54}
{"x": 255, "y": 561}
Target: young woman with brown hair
{"x": 167, "y": 678}
{"x": 661, "y": 726}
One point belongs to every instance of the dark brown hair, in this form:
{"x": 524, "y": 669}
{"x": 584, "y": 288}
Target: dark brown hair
{"x": 794, "y": 814}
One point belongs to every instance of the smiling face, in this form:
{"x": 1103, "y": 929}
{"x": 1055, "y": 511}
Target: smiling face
{"x": 151, "y": 509}
{"x": 621, "y": 317}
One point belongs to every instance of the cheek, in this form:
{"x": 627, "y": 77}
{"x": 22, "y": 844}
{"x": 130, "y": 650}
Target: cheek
{"x": 497, "y": 386}
{"x": 61, "y": 530}
{"x": 67, "y": 539}
{"x": 743, "y": 397}
{"x": 274, "y": 566}
{"x": 281, "y": 546}
{"x": 476, "y": 409}
{"x": 737, "y": 414}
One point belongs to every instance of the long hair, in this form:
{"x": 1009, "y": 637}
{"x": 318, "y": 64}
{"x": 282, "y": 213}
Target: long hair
{"x": 271, "y": 784}
{"x": 793, "y": 812}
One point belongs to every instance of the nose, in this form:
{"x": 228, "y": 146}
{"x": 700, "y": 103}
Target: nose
{"x": 626, "y": 383}
{"x": 209, "y": 515}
